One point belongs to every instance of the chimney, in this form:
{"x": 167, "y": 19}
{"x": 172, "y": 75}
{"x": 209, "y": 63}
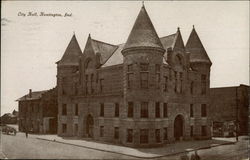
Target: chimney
{"x": 30, "y": 93}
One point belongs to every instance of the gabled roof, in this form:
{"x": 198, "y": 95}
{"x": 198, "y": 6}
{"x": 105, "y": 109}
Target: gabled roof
{"x": 104, "y": 49}
{"x": 143, "y": 33}
{"x": 196, "y": 49}
{"x": 71, "y": 54}
{"x": 34, "y": 95}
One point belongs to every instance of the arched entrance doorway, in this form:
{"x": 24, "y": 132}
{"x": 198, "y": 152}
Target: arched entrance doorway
{"x": 89, "y": 126}
{"x": 178, "y": 127}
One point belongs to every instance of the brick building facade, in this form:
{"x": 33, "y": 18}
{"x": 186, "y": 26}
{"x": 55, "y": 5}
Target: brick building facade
{"x": 231, "y": 104}
{"x": 146, "y": 92}
{"x": 38, "y": 111}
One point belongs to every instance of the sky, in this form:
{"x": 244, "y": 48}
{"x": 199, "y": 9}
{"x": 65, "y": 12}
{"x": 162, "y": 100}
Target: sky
{"x": 30, "y": 45}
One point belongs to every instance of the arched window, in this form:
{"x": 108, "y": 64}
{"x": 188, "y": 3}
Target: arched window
{"x": 178, "y": 59}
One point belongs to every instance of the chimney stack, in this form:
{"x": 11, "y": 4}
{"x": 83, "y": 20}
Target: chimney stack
{"x": 30, "y": 93}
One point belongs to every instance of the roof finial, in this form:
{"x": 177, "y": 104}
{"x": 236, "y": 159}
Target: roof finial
{"x": 142, "y": 3}
{"x": 178, "y": 28}
{"x": 89, "y": 35}
{"x": 73, "y": 32}
{"x": 193, "y": 26}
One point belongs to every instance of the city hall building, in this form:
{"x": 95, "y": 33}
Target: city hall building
{"x": 146, "y": 92}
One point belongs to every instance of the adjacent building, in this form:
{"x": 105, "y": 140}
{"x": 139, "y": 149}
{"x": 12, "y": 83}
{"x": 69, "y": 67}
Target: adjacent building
{"x": 230, "y": 104}
{"x": 38, "y": 111}
{"x": 145, "y": 92}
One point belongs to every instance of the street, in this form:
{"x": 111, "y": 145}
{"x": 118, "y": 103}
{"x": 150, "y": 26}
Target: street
{"x": 33, "y": 148}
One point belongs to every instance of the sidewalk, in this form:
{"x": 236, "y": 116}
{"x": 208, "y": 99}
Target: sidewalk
{"x": 166, "y": 150}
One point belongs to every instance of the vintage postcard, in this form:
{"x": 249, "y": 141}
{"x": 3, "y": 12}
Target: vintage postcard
{"x": 125, "y": 80}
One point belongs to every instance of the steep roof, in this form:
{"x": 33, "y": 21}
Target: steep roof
{"x": 143, "y": 33}
{"x": 34, "y": 95}
{"x": 71, "y": 54}
{"x": 104, "y": 49}
{"x": 196, "y": 49}
{"x": 117, "y": 57}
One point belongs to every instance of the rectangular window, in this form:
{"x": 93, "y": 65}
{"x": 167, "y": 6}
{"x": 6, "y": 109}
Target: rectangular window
{"x": 192, "y": 87}
{"x": 165, "y": 133}
{"x": 191, "y": 110}
{"x": 76, "y": 109}
{"x": 157, "y": 135}
{"x": 157, "y": 68}
{"x": 203, "y": 77}
{"x": 130, "y": 109}
{"x": 203, "y": 110}
{"x": 165, "y": 110}
{"x": 101, "y": 131}
{"x": 143, "y": 136}
{"x": 64, "y": 128}
{"x": 102, "y": 109}
{"x": 86, "y": 84}
{"x": 91, "y": 83}
{"x": 157, "y": 110}
{"x": 76, "y": 129}
{"x": 144, "y": 110}
{"x": 64, "y": 109}
{"x": 130, "y": 79}
{"x": 203, "y": 88}
{"x": 166, "y": 84}
{"x": 130, "y": 135}
{"x": 130, "y": 68}
{"x": 143, "y": 67}
{"x": 144, "y": 79}
{"x": 116, "y": 109}
{"x": 101, "y": 85}
{"x": 203, "y": 130}
{"x": 192, "y": 131}
{"x": 116, "y": 134}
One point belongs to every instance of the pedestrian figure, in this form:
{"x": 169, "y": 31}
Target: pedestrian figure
{"x": 26, "y": 133}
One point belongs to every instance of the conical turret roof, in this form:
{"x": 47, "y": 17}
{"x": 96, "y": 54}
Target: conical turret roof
{"x": 143, "y": 33}
{"x": 72, "y": 53}
{"x": 196, "y": 49}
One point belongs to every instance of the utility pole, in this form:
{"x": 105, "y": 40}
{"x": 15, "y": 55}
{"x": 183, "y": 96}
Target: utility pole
{"x": 236, "y": 97}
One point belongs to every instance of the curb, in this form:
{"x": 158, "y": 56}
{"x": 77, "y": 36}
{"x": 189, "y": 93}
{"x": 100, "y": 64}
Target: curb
{"x": 151, "y": 157}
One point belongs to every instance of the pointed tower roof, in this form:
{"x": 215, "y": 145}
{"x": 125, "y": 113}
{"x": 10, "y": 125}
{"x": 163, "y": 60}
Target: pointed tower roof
{"x": 143, "y": 33}
{"x": 196, "y": 49}
{"x": 71, "y": 54}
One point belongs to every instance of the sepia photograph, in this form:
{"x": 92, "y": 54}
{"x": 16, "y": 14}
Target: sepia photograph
{"x": 165, "y": 80}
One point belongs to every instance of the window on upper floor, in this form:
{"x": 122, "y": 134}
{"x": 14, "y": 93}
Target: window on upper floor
{"x": 144, "y": 110}
{"x": 203, "y": 110}
{"x": 86, "y": 84}
{"x": 192, "y": 87}
{"x": 101, "y": 85}
{"x": 144, "y": 67}
{"x": 116, "y": 109}
{"x": 64, "y": 109}
{"x": 144, "y": 79}
{"x": 165, "y": 110}
{"x": 76, "y": 109}
{"x": 165, "y": 84}
{"x": 157, "y": 110}
{"x": 130, "y": 80}
{"x": 130, "y": 68}
{"x": 191, "y": 110}
{"x": 91, "y": 83}
{"x": 130, "y": 109}
{"x": 102, "y": 110}
{"x": 158, "y": 75}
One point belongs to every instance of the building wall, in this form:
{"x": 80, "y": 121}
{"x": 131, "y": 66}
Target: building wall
{"x": 115, "y": 90}
{"x": 228, "y": 102}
